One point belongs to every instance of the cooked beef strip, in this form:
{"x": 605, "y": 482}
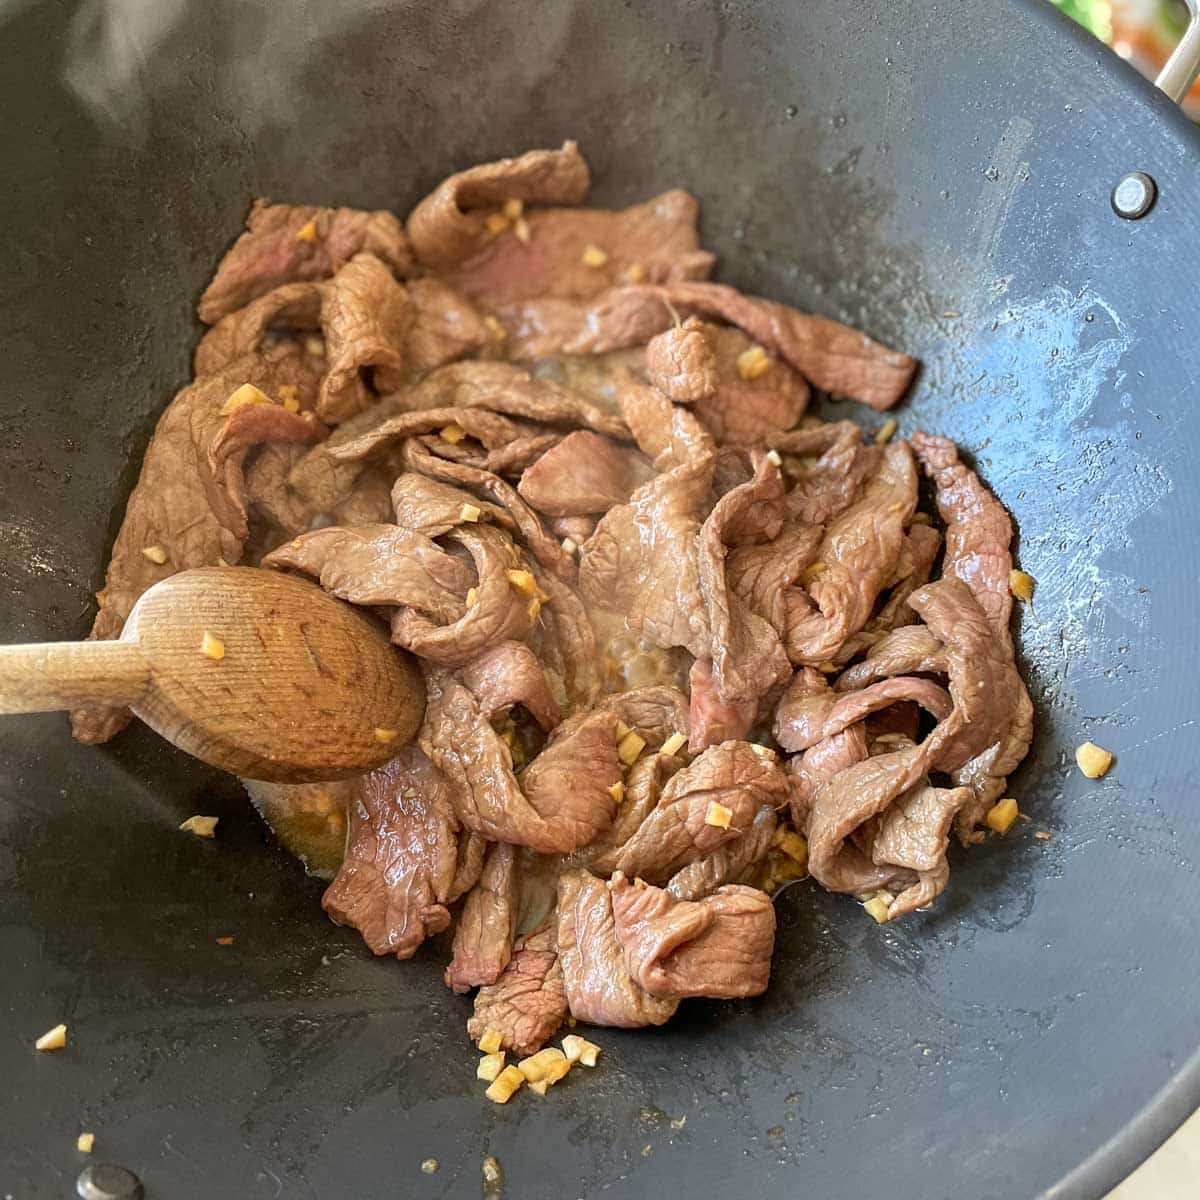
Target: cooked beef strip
{"x": 720, "y": 946}
{"x": 433, "y": 508}
{"x": 380, "y": 564}
{"x": 978, "y": 529}
{"x": 598, "y": 985}
{"x": 271, "y": 252}
{"x": 734, "y": 862}
{"x": 528, "y": 1002}
{"x": 682, "y": 362}
{"x": 509, "y": 673}
{"x": 448, "y": 226}
{"x": 292, "y": 306}
{"x": 826, "y": 487}
{"x": 616, "y": 319}
{"x": 909, "y": 650}
{"x": 400, "y": 859}
{"x": 655, "y": 712}
{"x": 732, "y": 774}
{"x": 657, "y": 237}
{"x": 483, "y": 938}
{"x": 810, "y": 711}
{"x": 814, "y": 768}
{"x": 668, "y": 435}
{"x": 565, "y": 639}
{"x": 584, "y": 473}
{"x": 763, "y": 575}
{"x": 748, "y": 658}
{"x": 445, "y": 326}
{"x": 712, "y": 720}
{"x": 518, "y": 456}
{"x": 915, "y": 831}
{"x": 472, "y": 847}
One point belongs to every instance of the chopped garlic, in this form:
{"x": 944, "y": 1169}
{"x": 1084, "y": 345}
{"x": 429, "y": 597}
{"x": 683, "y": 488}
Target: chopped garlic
{"x": 763, "y": 751}
{"x": 884, "y": 433}
{"x": 579, "y": 1049}
{"x": 674, "y": 743}
{"x": 878, "y": 906}
{"x": 523, "y": 581}
{"x": 569, "y": 546}
{"x": 622, "y": 729}
{"x": 472, "y": 596}
{"x": 539, "y": 1086}
{"x": 1021, "y": 584}
{"x": 287, "y": 397}
{"x": 593, "y": 256}
{"x": 521, "y": 229}
{"x": 828, "y": 667}
{"x": 538, "y": 1065}
{"x": 469, "y": 513}
{"x": 490, "y": 1065}
{"x": 240, "y": 397}
{"x": 225, "y": 941}
{"x": 717, "y": 814}
{"x": 513, "y": 208}
{"x": 794, "y": 846}
{"x": 498, "y": 332}
{"x": 84, "y": 1143}
{"x": 385, "y": 735}
{"x": 1092, "y": 760}
{"x": 52, "y": 1039}
{"x": 204, "y": 827}
{"x": 505, "y": 1084}
{"x": 156, "y": 554}
{"x": 635, "y": 273}
{"x": 817, "y": 568}
{"x": 307, "y": 232}
{"x": 496, "y": 222}
{"x": 533, "y": 608}
{"x": 617, "y": 791}
{"x": 630, "y": 746}
{"x": 490, "y": 1042}
{"x": 753, "y": 362}
{"x": 429, "y": 1166}
{"x": 212, "y": 647}
{"x": 453, "y": 434}
{"x": 773, "y": 456}
{"x": 1002, "y": 815}
{"x": 1043, "y": 835}
{"x": 315, "y": 346}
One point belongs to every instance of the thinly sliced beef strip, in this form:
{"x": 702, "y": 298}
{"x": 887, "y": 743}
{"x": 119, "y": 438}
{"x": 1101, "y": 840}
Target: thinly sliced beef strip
{"x": 445, "y": 326}
{"x": 564, "y": 636}
{"x": 668, "y": 435}
{"x": 616, "y": 319}
{"x": 763, "y": 575}
{"x": 509, "y": 673}
{"x": 472, "y": 848}
{"x": 483, "y": 938}
{"x": 826, "y": 487}
{"x": 528, "y": 1002}
{"x": 909, "y": 650}
{"x": 734, "y": 862}
{"x": 712, "y": 720}
{"x": 655, "y": 712}
{"x": 292, "y": 306}
{"x": 584, "y": 473}
{"x": 814, "y": 768}
{"x": 428, "y": 506}
{"x": 449, "y": 225}
{"x": 275, "y": 250}
{"x": 401, "y": 856}
{"x": 682, "y": 362}
{"x": 720, "y": 946}
{"x": 598, "y": 985}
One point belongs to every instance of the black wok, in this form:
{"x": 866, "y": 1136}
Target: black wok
{"x": 938, "y": 173}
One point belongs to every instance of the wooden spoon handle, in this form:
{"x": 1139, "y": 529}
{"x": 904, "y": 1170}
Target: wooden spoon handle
{"x": 46, "y": 676}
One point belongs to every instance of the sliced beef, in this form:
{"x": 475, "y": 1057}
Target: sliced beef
{"x": 483, "y": 938}
{"x": 763, "y": 575}
{"x": 528, "y": 1002}
{"x": 598, "y": 985}
{"x": 544, "y": 256}
{"x": 825, "y": 486}
{"x": 276, "y": 249}
{"x": 509, "y": 673}
{"x": 655, "y": 712}
{"x": 472, "y": 848}
{"x": 566, "y": 641}
{"x": 584, "y": 473}
{"x": 444, "y": 327}
{"x": 734, "y": 862}
{"x": 814, "y": 768}
{"x": 720, "y": 946}
{"x": 909, "y": 650}
{"x": 682, "y": 362}
{"x": 614, "y": 320}
{"x": 449, "y": 225}
{"x": 294, "y": 306}
{"x": 401, "y": 856}
{"x": 433, "y": 508}
{"x": 733, "y": 775}
{"x": 978, "y": 529}
{"x": 518, "y": 456}
{"x": 380, "y": 564}
{"x": 712, "y": 720}
{"x": 669, "y": 436}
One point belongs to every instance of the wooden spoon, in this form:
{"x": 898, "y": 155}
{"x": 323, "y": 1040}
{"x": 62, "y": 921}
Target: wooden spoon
{"x": 305, "y": 687}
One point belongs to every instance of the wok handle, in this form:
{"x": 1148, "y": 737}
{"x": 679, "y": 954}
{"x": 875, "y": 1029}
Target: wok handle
{"x": 1184, "y": 64}
{"x": 47, "y": 676}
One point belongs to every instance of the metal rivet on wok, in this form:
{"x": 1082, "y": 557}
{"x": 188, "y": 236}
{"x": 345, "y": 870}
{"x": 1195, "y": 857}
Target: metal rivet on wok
{"x": 107, "y": 1182}
{"x": 1134, "y": 195}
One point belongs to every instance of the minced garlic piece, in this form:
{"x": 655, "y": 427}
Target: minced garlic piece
{"x": 212, "y": 647}
{"x": 307, "y": 232}
{"x": 490, "y": 1042}
{"x": 429, "y": 1166}
{"x": 52, "y": 1039}
{"x": 496, "y": 222}
{"x": 878, "y": 906}
{"x": 794, "y": 846}
{"x": 1002, "y": 815}
{"x": 569, "y": 547}
{"x": 225, "y": 941}
{"x": 579, "y": 1049}
{"x": 513, "y": 208}
{"x": 240, "y": 397}
{"x": 472, "y": 596}
{"x": 617, "y": 791}
{"x": 533, "y": 608}
{"x": 490, "y": 1065}
{"x": 84, "y": 1143}
{"x": 1021, "y": 584}
{"x": 593, "y": 256}
{"x": 828, "y": 667}
{"x": 498, "y": 332}
{"x": 753, "y": 362}
{"x": 622, "y": 729}
{"x": 521, "y": 229}
{"x": 315, "y": 346}
{"x": 204, "y": 827}
{"x": 817, "y": 568}
{"x": 539, "y": 1086}
{"x": 538, "y": 1065}
{"x": 773, "y": 456}
{"x": 287, "y": 397}
{"x": 156, "y": 554}
{"x": 635, "y": 273}
{"x": 453, "y": 434}
{"x": 884, "y": 433}
{"x": 469, "y": 513}
{"x": 1092, "y": 760}
{"x": 717, "y": 814}
{"x": 523, "y": 581}
{"x": 505, "y": 1085}
{"x": 674, "y": 743}
{"x": 763, "y": 751}
{"x": 630, "y": 746}
{"x": 385, "y": 735}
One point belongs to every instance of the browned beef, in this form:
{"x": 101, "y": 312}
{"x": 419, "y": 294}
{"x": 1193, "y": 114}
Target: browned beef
{"x": 543, "y": 258}
{"x": 294, "y": 306}
{"x": 734, "y": 862}
{"x": 720, "y": 946}
{"x": 380, "y": 564}
{"x": 272, "y": 251}
{"x": 598, "y": 985}
{"x": 614, "y": 320}
{"x": 655, "y": 712}
{"x": 401, "y": 855}
{"x": 448, "y": 226}
{"x": 826, "y": 487}
{"x": 909, "y": 650}
{"x": 733, "y": 775}
{"x": 763, "y": 574}
{"x": 669, "y": 436}
{"x": 814, "y": 768}
{"x": 483, "y": 938}
{"x": 519, "y": 455}
{"x": 427, "y": 506}
{"x": 682, "y": 362}
{"x": 445, "y": 326}
{"x": 712, "y": 720}
{"x": 748, "y": 658}
{"x": 471, "y": 850}
{"x": 642, "y": 560}
{"x": 584, "y": 473}
{"x": 810, "y": 711}
{"x": 509, "y": 673}
{"x": 527, "y": 1003}
{"x": 856, "y": 557}
{"x": 566, "y": 642}
{"x": 978, "y": 529}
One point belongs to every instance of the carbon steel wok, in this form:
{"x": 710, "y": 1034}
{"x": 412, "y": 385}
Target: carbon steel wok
{"x": 939, "y": 174}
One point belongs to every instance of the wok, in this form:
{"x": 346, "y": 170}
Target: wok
{"x": 939, "y": 174}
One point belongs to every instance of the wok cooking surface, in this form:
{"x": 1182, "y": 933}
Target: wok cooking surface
{"x": 936, "y": 174}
